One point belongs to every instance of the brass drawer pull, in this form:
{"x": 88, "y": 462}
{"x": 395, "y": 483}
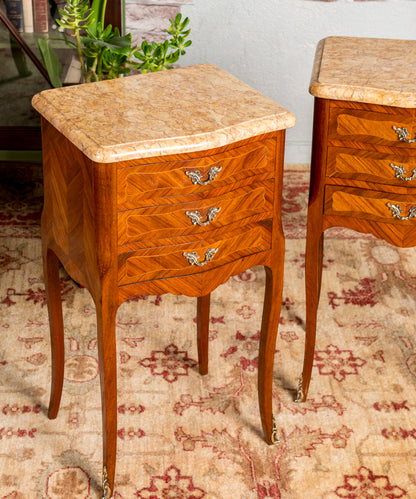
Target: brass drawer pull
{"x": 400, "y": 172}
{"x": 402, "y": 134}
{"x": 195, "y": 216}
{"x": 196, "y": 175}
{"x": 396, "y": 211}
{"x": 193, "y": 257}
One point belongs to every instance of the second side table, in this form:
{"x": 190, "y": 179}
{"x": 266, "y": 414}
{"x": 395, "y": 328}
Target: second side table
{"x": 166, "y": 182}
{"x": 363, "y": 169}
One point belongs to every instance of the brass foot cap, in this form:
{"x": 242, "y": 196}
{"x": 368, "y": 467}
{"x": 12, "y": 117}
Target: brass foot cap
{"x": 273, "y": 437}
{"x": 300, "y": 396}
{"x": 106, "y": 486}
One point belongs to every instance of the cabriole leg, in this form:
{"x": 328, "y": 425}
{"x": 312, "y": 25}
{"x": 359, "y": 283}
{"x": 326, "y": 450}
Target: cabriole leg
{"x": 313, "y": 279}
{"x": 56, "y": 324}
{"x": 269, "y": 326}
{"x": 106, "y": 328}
{"x": 203, "y": 308}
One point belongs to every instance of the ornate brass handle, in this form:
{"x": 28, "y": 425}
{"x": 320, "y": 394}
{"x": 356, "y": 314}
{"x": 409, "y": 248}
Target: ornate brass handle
{"x": 396, "y": 211}
{"x": 196, "y": 175}
{"x": 193, "y": 257}
{"x": 402, "y": 133}
{"x": 195, "y": 216}
{"x": 400, "y": 172}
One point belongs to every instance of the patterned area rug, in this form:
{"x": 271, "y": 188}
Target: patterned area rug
{"x": 183, "y": 436}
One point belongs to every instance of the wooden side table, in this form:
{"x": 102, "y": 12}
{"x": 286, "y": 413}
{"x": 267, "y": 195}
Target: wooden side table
{"x": 167, "y": 182}
{"x": 363, "y": 169}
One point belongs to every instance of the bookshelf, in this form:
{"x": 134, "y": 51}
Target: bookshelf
{"x": 22, "y": 74}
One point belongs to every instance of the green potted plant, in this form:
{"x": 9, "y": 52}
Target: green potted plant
{"x": 103, "y": 52}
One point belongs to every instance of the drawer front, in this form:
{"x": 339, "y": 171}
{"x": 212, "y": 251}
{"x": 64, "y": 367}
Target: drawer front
{"x": 137, "y": 185}
{"x": 371, "y": 127}
{"x": 370, "y": 205}
{"x": 370, "y": 166}
{"x": 146, "y": 224}
{"x": 185, "y": 259}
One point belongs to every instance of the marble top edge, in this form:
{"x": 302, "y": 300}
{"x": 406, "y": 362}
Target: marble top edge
{"x": 369, "y": 70}
{"x": 364, "y": 95}
{"x": 188, "y": 144}
{"x": 139, "y": 118}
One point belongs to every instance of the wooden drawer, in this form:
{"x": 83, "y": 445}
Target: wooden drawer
{"x": 138, "y": 185}
{"x": 185, "y": 218}
{"x": 370, "y": 127}
{"x": 369, "y": 205}
{"x": 371, "y": 166}
{"x": 169, "y": 261}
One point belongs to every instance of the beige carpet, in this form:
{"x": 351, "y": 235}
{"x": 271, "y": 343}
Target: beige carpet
{"x": 183, "y": 436}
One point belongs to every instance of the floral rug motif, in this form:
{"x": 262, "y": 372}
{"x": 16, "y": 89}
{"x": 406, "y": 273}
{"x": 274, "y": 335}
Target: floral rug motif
{"x": 186, "y": 436}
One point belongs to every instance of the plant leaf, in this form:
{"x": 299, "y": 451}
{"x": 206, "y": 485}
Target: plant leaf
{"x": 120, "y": 45}
{"x": 98, "y": 13}
{"x": 51, "y": 61}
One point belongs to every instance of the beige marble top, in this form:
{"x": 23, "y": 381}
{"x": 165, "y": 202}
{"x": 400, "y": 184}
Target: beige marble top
{"x": 181, "y": 110}
{"x": 371, "y": 70}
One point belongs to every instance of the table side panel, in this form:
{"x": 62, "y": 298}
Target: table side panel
{"x": 72, "y": 211}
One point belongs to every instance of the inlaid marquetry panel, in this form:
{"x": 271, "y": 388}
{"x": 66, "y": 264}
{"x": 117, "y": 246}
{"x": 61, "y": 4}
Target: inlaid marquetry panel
{"x": 169, "y": 261}
{"x": 370, "y": 127}
{"x": 372, "y": 166}
{"x": 371, "y": 205}
{"x": 137, "y": 185}
{"x": 176, "y": 220}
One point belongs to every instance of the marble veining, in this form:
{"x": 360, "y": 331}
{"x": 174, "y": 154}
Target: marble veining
{"x": 369, "y": 70}
{"x": 181, "y": 110}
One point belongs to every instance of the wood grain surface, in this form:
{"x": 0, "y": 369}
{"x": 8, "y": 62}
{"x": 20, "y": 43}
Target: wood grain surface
{"x": 370, "y": 166}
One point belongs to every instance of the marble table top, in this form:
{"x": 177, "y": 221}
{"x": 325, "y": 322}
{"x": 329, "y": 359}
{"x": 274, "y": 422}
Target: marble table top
{"x": 181, "y": 110}
{"x": 370, "y": 70}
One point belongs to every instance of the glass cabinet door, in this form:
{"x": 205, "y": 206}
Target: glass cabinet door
{"x": 20, "y": 78}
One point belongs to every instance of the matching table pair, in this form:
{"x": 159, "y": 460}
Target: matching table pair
{"x": 172, "y": 182}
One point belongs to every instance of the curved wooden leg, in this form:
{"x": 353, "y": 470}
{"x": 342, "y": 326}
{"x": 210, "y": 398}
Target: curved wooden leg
{"x": 269, "y": 326}
{"x": 56, "y": 325}
{"x": 107, "y": 357}
{"x": 313, "y": 279}
{"x": 203, "y": 306}
{"x": 314, "y": 237}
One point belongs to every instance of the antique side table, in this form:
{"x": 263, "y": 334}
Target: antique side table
{"x": 162, "y": 183}
{"x": 363, "y": 168}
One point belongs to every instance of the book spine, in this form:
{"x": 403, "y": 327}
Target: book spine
{"x": 14, "y": 11}
{"x": 28, "y": 16}
{"x": 40, "y": 16}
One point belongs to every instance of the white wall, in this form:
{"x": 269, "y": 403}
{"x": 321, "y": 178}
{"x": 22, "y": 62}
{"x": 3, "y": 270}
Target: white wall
{"x": 270, "y": 45}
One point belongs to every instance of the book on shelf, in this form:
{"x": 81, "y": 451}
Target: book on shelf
{"x": 28, "y": 16}
{"x": 41, "y": 16}
{"x": 14, "y": 11}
